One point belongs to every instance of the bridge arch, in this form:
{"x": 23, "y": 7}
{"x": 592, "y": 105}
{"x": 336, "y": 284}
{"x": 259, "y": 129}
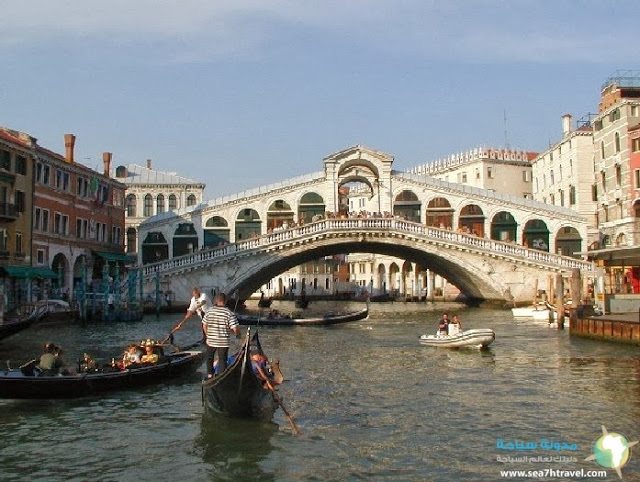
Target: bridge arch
{"x": 504, "y": 227}
{"x": 248, "y": 224}
{"x": 471, "y": 219}
{"x": 407, "y": 205}
{"x": 216, "y": 231}
{"x": 310, "y": 206}
{"x": 472, "y": 278}
{"x": 439, "y": 213}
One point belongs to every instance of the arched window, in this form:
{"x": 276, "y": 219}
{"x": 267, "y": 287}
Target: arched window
{"x": 616, "y": 139}
{"x": 132, "y": 239}
{"x": 160, "y": 204}
{"x": 148, "y": 205}
{"x": 173, "y": 202}
{"x": 131, "y": 205}
{"x": 191, "y": 200}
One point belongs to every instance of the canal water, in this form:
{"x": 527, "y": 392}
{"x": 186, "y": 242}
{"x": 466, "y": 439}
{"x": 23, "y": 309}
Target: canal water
{"x": 371, "y": 402}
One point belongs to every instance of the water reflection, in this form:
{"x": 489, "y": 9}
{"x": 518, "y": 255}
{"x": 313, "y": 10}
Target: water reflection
{"x": 233, "y": 449}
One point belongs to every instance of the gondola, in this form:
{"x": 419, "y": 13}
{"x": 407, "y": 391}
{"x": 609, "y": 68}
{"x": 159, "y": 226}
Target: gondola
{"x": 25, "y": 383}
{"x": 326, "y": 319}
{"x": 238, "y": 392}
{"x": 14, "y": 324}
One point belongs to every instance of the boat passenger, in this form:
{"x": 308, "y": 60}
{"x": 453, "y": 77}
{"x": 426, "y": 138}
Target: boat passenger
{"x": 260, "y": 367}
{"x": 455, "y": 326}
{"x": 50, "y": 361}
{"x": 149, "y": 356}
{"x": 131, "y": 356}
{"x": 443, "y": 325}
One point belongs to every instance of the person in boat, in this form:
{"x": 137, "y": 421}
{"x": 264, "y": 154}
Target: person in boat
{"x": 218, "y": 322}
{"x": 150, "y": 355}
{"x": 443, "y": 324}
{"x": 260, "y": 367}
{"x": 454, "y": 326}
{"x": 51, "y": 361}
{"x": 199, "y": 304}
{"x": 132, "y": 355}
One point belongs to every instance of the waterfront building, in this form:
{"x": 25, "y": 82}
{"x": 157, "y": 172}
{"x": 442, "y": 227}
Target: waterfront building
{"x": 151, "y": 192}
{"x": 563, "y": 176}
{"x": 506, "y": 171}
{"x": 16, "y": 198}
{"x": 66, "y": 222}
{"x": 78, "y": 219}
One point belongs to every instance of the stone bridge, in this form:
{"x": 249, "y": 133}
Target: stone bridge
{"x": 483, "y": 269}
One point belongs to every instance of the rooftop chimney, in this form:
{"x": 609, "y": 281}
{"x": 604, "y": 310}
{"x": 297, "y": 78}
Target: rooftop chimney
{"x": 148, "y": 163}
{"x": 69, "y": 143}
{"x": 566, "y": 124}
{"x": 106, "y": 159}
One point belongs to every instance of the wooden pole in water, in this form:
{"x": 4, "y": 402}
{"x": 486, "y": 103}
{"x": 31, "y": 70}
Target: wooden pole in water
{"x": 551, "y": 293}
{"x": 560, "y": 300}
{"x": 576, "y": 295}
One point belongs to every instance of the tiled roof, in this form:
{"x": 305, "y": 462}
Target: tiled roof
{"x": 136, "y": 174}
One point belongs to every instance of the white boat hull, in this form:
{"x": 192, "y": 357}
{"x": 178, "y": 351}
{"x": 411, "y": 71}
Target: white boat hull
{"x": 480, "y": 337}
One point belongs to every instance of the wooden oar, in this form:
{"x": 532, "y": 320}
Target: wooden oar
{"x": 175, "y": 328}
{"x": 294, "y": 426}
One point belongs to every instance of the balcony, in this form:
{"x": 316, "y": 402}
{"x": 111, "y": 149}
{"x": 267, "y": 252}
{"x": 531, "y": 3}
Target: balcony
{"x": 8, "y": 211}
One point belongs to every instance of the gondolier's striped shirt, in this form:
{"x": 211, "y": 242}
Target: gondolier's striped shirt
{"x": 219, "y": 321}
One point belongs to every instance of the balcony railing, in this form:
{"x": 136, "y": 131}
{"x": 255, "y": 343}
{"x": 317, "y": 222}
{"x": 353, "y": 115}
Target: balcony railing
{"x": 8, "y": 211}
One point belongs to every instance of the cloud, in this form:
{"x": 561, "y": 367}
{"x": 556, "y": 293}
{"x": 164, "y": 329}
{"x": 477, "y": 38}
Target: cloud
{"x": 470, "y": 30}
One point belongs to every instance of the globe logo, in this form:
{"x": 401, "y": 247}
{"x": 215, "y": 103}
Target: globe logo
{"x": 611, "y": 450}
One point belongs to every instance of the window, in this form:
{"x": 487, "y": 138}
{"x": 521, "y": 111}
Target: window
{"x": 598, "y": 125}
{"x": 38, "y": 172}
{"x": 46, "y": 173}
{"x": 526, "y": 176}
{"x": 21, "y": 165}
{"x": 490, "y": 172}
{"x": 560, "y": 173}
{"x": 637, "y": 178}
{"x": 603, "y": 178}
{"x": 3, "y": 239}
{"x": 82, "y": 228}
{"x": 464, "y": 177}
{"x": 594, "y": 192}
{"x": 537, "y": 185}
{"x": 551, "y": 179}
{"x": 37, "y": 219}
{"x": 148, "y": 205}
{"x": 5, "y": 160}
{"x": 160, "y": 204}
{"x": 191, "y": 200}
{"x": 616, "y": 140}
{"x": 552, "y": 199}
{"x": 131, "y": 205}
{"x": 570, "y": 167}
{"x": 634, "y": 110}
{"x": 20, "y": 201}
{"x": 19, "y": 243}
{"x": 173, "y": 202}
{"x": 45, "y": 220}
{"x": 561, "y": 195}
{"x": 635, "y": 144}
{"x": 115, "y": 235}
{"x": 614, "y": 115}
{"x": 61, "y": 224}
{"x": 602, "y": 150}
{"x": 618, "y": 176}
{"x": 477, "y": 173}
{"x": 572, "y": 195}
{"x": 82, "y": 187}
{"x": 40, "y": 256}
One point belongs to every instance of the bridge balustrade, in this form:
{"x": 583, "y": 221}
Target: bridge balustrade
{"x": 367, "y": 225}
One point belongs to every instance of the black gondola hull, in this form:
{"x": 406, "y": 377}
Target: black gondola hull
{"x": 16, "y": 385}
{"x": 321, "y": 320}
{"x": 237, "y": 392}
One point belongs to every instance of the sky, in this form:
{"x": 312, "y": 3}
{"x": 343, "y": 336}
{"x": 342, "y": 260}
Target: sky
{"x": 243, "y": 93}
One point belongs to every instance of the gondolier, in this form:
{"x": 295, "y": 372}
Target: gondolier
{"x": 217, "y": 324}
{"x": 199, "y": 304}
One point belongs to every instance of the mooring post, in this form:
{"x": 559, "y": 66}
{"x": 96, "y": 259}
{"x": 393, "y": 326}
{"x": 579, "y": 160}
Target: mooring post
{"x": 560, "y": 301}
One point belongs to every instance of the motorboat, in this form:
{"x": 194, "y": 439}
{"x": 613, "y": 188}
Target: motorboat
{"x": 537, "y": 311}
{"x": 482, "y": 337}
